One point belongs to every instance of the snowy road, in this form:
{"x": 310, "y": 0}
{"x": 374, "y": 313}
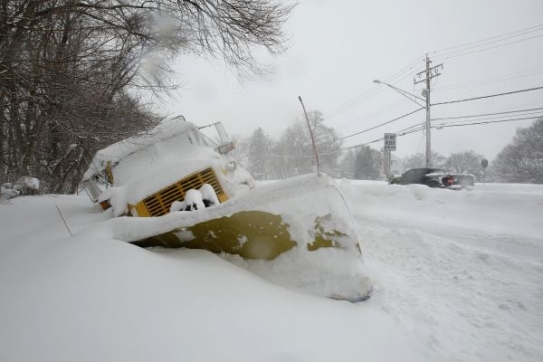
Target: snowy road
{"x": 472, "y": 291}
{"x": 509, "y": 245}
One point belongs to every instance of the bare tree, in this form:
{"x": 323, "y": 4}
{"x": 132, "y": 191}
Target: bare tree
{"x": 418, "y": 160}
{"x": 522, "y": 160}
{"x": 241, "y": 150}
{"x": 258, "y": 158}
{"x": 465, "y": 162}
{"x": 362, "y": 163}
{"x": 66, "y": 68}
{"x": 293, "y": 154}
{"x": 329, "y": 144}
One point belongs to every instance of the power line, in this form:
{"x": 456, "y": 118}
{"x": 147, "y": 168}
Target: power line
{"x": 504, "y": 118}
{"x": 404, "y": 70}
{"x": 365, "y": 144}
{"x": 382, "y": 124}
{"x": 489, "y": 114}
{"x": 488, "y": 41}
{"x": 372, "y": 92}
{"x": 525, "y": 73}
{"x": 413, "y": 129}
{"x": 488, "y": 96}
{"x": 429, "y": 74}
{"x": 485, "y": 122}
{"x": 372, "y": 115}
{"x": 398, "y": 134}
{"x": 354, "y": 102}
{"x": 488, "y": 48}
{"x": 529, "y": 29}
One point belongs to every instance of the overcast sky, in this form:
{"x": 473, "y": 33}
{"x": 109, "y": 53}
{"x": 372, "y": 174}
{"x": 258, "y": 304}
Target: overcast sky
{"x": 338, "y": 48}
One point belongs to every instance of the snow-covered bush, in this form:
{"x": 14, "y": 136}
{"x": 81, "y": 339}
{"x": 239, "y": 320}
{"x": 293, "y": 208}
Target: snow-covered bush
{"x": 7, "y": 192}
{"x": 25, "y": 185}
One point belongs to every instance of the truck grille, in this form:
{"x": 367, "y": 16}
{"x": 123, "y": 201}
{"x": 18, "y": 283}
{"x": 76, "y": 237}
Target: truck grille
{"x": 159, "y": 204}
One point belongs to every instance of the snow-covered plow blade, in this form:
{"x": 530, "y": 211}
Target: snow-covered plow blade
{"x": 296, "y": 232}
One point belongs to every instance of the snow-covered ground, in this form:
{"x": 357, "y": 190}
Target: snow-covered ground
{"x": 458, "y": 276}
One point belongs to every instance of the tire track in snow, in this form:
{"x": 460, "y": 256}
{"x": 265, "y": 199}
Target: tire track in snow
{"x": 478, "y": 304}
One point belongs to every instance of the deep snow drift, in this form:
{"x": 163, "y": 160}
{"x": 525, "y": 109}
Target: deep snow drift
{"x": 457, "y": 277}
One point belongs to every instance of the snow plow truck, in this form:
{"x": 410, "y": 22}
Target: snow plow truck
{"x": 175, "y": 188}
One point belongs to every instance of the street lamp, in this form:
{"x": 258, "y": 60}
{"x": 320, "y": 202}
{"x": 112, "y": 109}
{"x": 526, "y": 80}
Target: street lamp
{"x": 402, "y": 92}
{"x": 426, "y": 101}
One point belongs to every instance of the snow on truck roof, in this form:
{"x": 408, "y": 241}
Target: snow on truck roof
{"x": 168, "y": 130}
{"x": 142, "y": 165}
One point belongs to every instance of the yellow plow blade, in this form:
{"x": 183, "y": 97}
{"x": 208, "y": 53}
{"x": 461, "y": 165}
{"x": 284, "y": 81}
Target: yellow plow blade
{"x": 297, "y": 232}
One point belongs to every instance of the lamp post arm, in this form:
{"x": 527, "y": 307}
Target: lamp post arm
{"x": 406, "y": 94}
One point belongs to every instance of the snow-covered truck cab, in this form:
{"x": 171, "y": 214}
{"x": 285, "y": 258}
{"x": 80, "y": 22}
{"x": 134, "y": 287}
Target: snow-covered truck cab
{"x": 174, "y": 165}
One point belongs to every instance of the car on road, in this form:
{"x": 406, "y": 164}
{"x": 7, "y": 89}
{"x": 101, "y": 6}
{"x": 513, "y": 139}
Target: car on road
{"x": 434, "y": 177}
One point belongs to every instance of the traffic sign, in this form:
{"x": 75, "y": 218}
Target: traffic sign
{"x": 484, "y": 163}
{"x": 390, "y": 141}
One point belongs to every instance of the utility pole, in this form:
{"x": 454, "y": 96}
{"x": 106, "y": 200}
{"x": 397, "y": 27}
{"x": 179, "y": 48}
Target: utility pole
{"x": 312, "y": 136}
{"x": 429, "y": 73}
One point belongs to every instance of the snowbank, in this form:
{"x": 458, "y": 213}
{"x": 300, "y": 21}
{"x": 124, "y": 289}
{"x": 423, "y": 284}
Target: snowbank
{"x": 453, "y": 282}
{"x": 91, "y": 298}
